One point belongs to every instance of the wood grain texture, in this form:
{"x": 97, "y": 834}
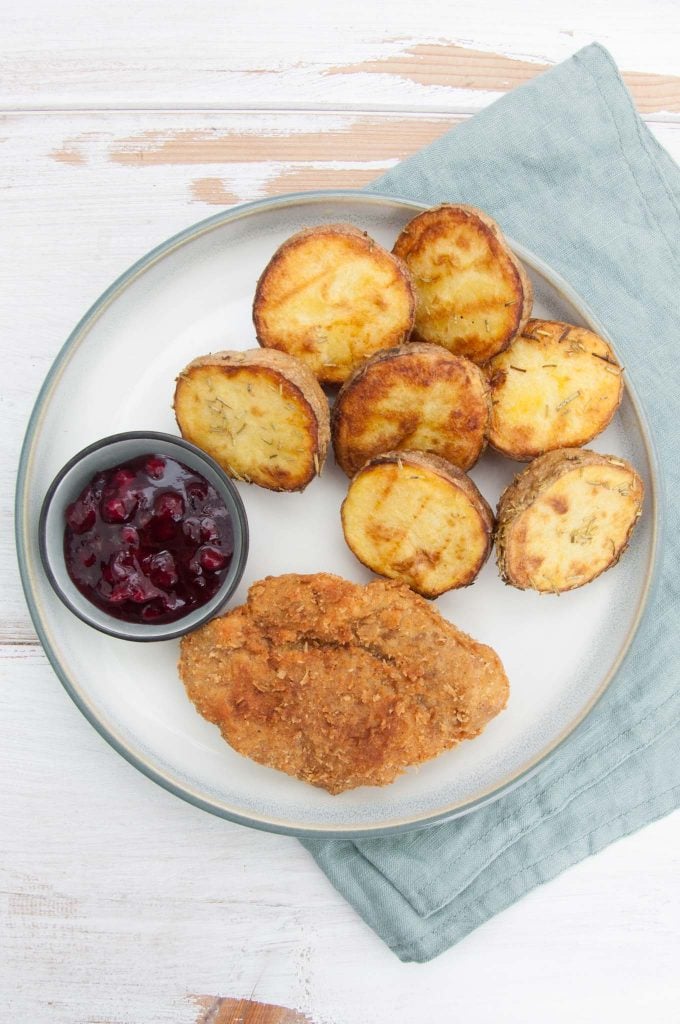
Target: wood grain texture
{"x": 345, "y": 139}
{"x": 221, "y": 1010}
{"x": 211, "y": 54}
{"x": 215, "y": 191}
{"x": 442, "y": 64}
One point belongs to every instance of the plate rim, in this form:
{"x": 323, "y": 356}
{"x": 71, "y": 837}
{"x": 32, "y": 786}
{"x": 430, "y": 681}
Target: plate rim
{"x": 31, "y": 438}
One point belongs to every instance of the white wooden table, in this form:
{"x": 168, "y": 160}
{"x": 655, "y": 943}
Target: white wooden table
{"x": 121, "y": 124}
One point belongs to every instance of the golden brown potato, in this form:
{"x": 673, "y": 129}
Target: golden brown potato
{"x": 416, "y": 397}
{"x": 261, "y": 415}
{"x": 418, "y": 519}
{"x": 556, "y": 386}
{"x": 474, "y": 295}
{"x": 339, "y": 684}
{"x": 565, "y": 519}
{"x": 332, "y": 296}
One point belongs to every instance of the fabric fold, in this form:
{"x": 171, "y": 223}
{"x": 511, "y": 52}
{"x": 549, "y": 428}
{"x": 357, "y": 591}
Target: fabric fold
{"x": 567, "y": 167}
{"x": 438, "y": 870}
{"x": 577, "y": 832}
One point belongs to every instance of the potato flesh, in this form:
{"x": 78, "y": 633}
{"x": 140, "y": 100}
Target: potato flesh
{"x": 332, "y": 301}
{"x": 410, "y": 524}
{"x": 416, "y": 403}
{"x": 468, "y": 298}
{"x": 575, "y": 529}
{"x": 434, "y": 430}
{"x": 548, "y": 394}
{"x": 252, "y": 422}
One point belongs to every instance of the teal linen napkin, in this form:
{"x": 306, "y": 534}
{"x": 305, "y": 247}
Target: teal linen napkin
{"x": 568, "y": 168}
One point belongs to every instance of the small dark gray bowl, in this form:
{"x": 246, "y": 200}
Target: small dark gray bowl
{"x": 67, "y": 485}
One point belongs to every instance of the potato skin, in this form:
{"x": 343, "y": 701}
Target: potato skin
{"x": 556, "y": 386}
{"x": 474, "y": 295}
{"x": 331, "y": 296}
{"x": 275, "y": 429}
{"x": 443, "y": 546}
{"x": 417, "y": 397}
{"x": 566, "y": 519}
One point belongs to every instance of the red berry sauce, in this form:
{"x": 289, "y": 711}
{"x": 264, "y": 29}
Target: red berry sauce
{"x": 149, "y": 541}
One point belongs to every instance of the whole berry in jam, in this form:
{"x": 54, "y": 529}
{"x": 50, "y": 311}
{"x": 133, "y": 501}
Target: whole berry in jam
{"x": 149, "y": 541}
{"x": 117, "y": 510}
{"x": 155, "y": 467}
{"x": 209, "y": 529}
{"x": 169, "y": 506}
{"x": 162, "y": 570}
{"x": 81, "y": 515}
{"x": 211, "y": 559}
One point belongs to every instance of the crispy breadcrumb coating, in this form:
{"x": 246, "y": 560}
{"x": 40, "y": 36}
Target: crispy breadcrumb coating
{"x": 340, "y": 684}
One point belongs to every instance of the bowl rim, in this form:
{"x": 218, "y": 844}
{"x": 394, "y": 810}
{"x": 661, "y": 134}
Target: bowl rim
{"x": 108, "y": 624}
{"x": 155, "y": 773}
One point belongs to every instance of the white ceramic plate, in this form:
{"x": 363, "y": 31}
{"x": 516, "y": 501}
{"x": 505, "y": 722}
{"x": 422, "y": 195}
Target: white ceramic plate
{"x": 191, "y": 296}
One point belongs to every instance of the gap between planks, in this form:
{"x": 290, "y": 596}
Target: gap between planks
{"x": 15, "y": 647}
{"x": 667, "y": 118}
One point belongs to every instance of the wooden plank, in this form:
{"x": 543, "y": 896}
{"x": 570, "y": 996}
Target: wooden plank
{"x": 208, "y": 54}
{"x": 451, "y": 66}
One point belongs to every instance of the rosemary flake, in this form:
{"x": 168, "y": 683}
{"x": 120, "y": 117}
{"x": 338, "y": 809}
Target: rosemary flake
{"x": 584, "y": 533}
{"x": 566, "y": 401}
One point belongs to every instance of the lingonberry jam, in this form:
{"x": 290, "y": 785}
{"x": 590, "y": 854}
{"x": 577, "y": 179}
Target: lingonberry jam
{"x": 148, "y": 541}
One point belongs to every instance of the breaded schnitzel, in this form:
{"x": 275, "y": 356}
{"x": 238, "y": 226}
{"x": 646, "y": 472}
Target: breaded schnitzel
{"x": 340, "y": 684}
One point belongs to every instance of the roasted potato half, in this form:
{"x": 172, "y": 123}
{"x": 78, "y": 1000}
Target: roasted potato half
{"x": 261, "y": 415}
{"x": 565, "y": 519}
{"x": 474, "y": 295}
{"x": 416, "y": 518}
{"x": 416, "y": 397}
{"x": 331, "y": 296}
{"x": 556, "y": 386}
